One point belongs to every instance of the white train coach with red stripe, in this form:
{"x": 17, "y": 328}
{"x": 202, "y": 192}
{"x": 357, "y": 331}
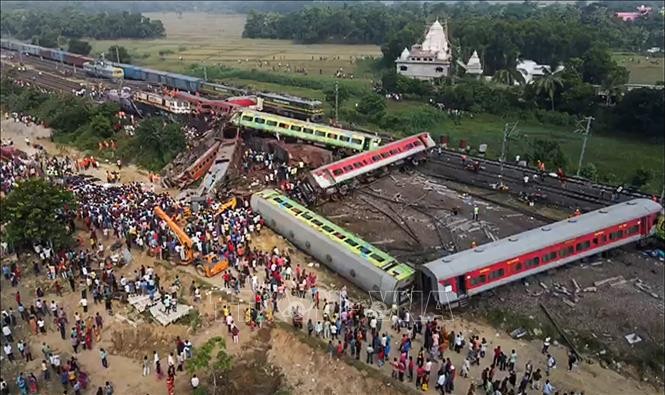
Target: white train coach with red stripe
{"x": 470, "y": 272}
{"x": 348, "y": 168}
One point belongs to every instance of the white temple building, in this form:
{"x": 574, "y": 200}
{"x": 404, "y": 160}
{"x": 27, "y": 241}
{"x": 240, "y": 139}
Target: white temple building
{"x": 428, "y": 60}
{"x": 473, "y": 66}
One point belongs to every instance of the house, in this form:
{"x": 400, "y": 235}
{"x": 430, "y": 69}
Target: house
{"x": 631, "y": 16}
{"x": 428, "y": 60}
{"x": 531, "y": 70}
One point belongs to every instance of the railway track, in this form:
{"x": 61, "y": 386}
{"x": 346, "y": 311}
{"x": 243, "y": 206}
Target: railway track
{"x": 571, "y": 193}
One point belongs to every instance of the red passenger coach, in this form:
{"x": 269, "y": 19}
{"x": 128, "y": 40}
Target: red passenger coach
{"x": 330, "y": 175}
{"x": 470, "y": 272}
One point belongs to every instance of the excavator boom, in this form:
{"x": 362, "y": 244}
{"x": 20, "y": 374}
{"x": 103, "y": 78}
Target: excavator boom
{"x": 185, "y": 241}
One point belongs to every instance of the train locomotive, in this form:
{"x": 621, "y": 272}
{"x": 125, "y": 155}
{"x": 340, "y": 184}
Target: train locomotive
{"x": 453, "y": 278}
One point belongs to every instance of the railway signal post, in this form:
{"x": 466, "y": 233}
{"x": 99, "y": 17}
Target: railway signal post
{"x": 504, "y": 146}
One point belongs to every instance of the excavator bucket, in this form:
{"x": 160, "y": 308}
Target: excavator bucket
{"x": 211, "y": 266}
{"x": 230, "y": 205}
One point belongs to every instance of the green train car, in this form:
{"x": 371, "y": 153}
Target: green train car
{"x": 366, "y": 266}
{"x": 293, "y": 107}
{"x": 308, "y": 131}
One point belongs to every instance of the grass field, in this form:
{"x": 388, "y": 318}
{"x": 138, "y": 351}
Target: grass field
{"x": 642, "y": 70}
{"x": 217, "y": 39}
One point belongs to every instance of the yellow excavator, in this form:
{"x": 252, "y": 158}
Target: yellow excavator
{"x": 208, "y": 265}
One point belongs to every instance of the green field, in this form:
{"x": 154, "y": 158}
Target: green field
{"x": 216, "y": 39}
{"x": 643, "y": 70}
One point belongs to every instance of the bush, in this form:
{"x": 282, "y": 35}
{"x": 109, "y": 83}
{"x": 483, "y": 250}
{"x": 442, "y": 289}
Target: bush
{"x": 555, "y": 118}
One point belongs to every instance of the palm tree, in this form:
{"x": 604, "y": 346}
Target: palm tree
{"x": 549, "y": 84}
{"x": 613, "y": 83}
{"x": 508, "y": 76}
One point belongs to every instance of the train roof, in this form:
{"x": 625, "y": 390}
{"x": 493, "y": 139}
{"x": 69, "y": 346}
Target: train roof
{"x": 290, "y": 98}
{"x": 343, "y": 237}
{"x": 539, "y": 238}
{"x": 302, "y": 123}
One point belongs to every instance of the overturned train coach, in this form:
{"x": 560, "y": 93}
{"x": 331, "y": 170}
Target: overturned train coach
{"x": 348, "y": 255}
{"x": 453, "y": 278}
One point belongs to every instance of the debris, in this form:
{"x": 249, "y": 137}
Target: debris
{"x": 577, "y": 286}
{"x": 517, "y": 333}
{"x": 542, "y": 284}
{"x": 607, "y": 280}
{"x": 633, "y": 338}
{"x": 590, "y": 289}
{"x": 617, "y": 283}
{"x": 597, "y": 263}
{"x": 568, "y": 302}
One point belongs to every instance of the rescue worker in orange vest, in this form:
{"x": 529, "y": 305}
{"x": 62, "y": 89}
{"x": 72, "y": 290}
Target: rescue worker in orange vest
{"x": 541, "y": 166}
{"x": 577, "y": 212}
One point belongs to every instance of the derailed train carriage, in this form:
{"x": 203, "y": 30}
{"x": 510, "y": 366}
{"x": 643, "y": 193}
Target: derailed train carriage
{"x": 348, "y": 255}
{"x": 456, "y": 277}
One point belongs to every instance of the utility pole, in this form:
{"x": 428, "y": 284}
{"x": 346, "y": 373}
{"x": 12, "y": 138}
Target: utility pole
{"x": 586, "y": 132}
{"x": 205, "y": 73}
{"x": 507, "y": 131}
{"x": 336, "y": 101}
{"x": 117, "y": 54}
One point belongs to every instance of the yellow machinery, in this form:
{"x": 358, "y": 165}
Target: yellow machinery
{"x": 209, "y": 265}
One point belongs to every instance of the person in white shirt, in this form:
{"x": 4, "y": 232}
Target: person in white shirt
{"x": 7, "y": 332}
{"x": 195, "y": 382}
{"x": 548, "y": 388}
{"x": 84, "y": 304}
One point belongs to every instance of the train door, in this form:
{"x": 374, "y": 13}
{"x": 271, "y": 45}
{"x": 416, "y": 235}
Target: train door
{"x": 461, "y": 285}
{"x": 366, "y": 142}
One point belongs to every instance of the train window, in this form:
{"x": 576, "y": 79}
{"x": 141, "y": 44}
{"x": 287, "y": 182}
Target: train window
{"x": 323, "y": 134}
{"x": 376, "y": 158}
{"x": 385, "y": 155}
{"x": 296, "y": 210}
{"x": 277, "y": 199}
{"x": 358, "y": 165}
{"x": 271, "y": 123}
{"x": 308, "y": 130}
{"x": 339, "y": 235}
{"x": 409, "y": 146}
{"x": 337, "y": 172}
{"x": 564, "y": 252}
{"x": 287, "y": 205}
{"x": 307, "y": 216}
{"x": 348, "y": 168}
{"x": 317, "y": 222}
{"x": 417, "y": 143}
{"x": 549, "y": 257}
{"x": 331, "y": 136}
{"x": 283, "y": 126}
{"x": 377, "y": 258}
{"x": 616, "y": 235}
{"x": 296, "y": 128}
{"x": 533, "y": 262}
{"x": 518, "y": 267}
{"x": 364, "y": 250}
{"x": 356, "y": 141}
{"x": 583, "y": 246}
{"x": 247, "y": 118}
{"x": 327, "y": 228}
{"x": 595, "y": 241}
{"x": 394, "y": 152}
{"x": 259, "y": 120}
{"x": 351, "y": 242}
{"x": 496, "y": 274}
{"x": 344, "y": 138}
{"x": 633, "y": 229}
{"x": 481, "y": 279}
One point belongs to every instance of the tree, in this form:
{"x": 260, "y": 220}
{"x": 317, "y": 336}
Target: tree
{"x": 118, "y": 54}
{"x": 613, "y": 83}
{"x": 508, "y": 77}
{"x": 101, "y": 126}
{"x": 548, "y": 152}
{"x": 590, "y": 172}
{"x": 641, "y": 112}
{"x": 159, "y": 142}
{"x": 216, "y": 369}
{"x": 372, "y": 105}
{"x": 548, "y": 84}
{"x": 37, "y": 211}
{"x": 79, "y": 47}
{"x": 641, "y": 177}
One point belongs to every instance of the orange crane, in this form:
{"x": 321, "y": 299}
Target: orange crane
{"x": 209, "y": 266}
